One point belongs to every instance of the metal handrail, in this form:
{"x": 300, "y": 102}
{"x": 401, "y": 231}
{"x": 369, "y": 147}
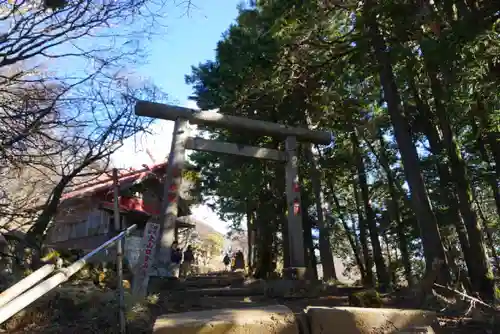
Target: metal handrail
{"x": 20, "y": 301}
{"x": 26, "y": 283}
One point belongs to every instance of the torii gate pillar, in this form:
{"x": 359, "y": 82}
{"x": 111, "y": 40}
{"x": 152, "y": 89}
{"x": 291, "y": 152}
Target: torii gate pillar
{"x": 170, "y": 202}
{"x": 294, "y": 214}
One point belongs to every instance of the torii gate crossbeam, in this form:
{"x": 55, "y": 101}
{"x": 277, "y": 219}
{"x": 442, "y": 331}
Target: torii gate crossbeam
{"x": 181, "y": 141}
{"x": 210, "y": 118}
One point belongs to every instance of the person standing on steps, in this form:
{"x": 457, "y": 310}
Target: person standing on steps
{"x": 188, "y": 261}
{"x": 233, "y": 262}
{"x": 239, "y": 261}
{"x": 226, "y": 261}
{"x": 175, "y": 258}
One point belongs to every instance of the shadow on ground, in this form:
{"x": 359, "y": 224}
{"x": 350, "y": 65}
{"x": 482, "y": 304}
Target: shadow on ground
{"x": 90, "y": 309}
{"x": 80, "y": 309}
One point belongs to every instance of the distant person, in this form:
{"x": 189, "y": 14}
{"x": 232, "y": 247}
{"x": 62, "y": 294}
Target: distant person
{"x": 188, "y": 261}
{"x": 239, "y": 260}
{"x": 226, "y": 261}
{"x": 175, "y": 258}
{"x": 233, "y": 262}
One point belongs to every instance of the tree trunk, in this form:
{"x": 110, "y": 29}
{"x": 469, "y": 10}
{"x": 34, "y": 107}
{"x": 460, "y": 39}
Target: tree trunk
{"x": 351, "y": 235}
{"x": 250, "y": 233}
{"x": 393, "y": 277}
{"x": 395, "y": 212}
{"x": 382, "y": 275}
{"x": 364, "y": 243}
{"x": 310, "y": 255}
{"x": 280, "y": 222}
{"x": 265, "y": 234}
{"x": 447, "y": 192}
{"x": 489, "y": 236}
{"x": 325, "y": 251}
{"x": 264, "y": 259}
{"x": 286, "y": 244}
{"x": 431, "y": 239}
{"x": 481, "y": 276}
{"x": 490, "y": 134}
{"x": 491, "y": 243}
{"x": 35, "y": 235}
{"x": 490, "y": 177}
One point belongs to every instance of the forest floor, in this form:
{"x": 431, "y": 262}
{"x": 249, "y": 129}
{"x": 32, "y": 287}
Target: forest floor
{"x": 85, "y": 308}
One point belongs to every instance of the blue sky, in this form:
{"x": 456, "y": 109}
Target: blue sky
{"x": 188, "y": 41}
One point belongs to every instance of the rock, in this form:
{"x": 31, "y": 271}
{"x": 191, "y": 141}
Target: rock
{"x": 355, "y": 320}
{"x": 126, "y": 284}
{"x": 276, "y": 319}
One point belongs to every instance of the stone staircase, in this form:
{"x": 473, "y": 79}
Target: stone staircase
{"x": 227, "y": 303}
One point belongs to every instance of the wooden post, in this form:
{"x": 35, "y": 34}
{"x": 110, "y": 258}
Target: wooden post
{"x": 295, "y": 237}
{"x": 119, "y": 252}
{"x": 173, "y": 180}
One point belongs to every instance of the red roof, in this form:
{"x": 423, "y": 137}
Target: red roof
{"x": 104, "y": 182}
{"x": 128, "y": 204}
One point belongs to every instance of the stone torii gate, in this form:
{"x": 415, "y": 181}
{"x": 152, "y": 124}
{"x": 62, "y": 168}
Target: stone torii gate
{"x": 181, "y": 141}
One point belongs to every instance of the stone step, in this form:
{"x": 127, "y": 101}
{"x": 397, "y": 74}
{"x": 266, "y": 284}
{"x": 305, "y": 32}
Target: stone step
{"x": 211, "y": 282}
{"x": 357, "y": 320}
{"x": 178, "y": 304}
{"x": 217, "y": 275}
{"x": 158, "y": 284}
{"x": 275, "y": 319}
{"x": 417, "y": 330}
{"x": 273, "y": 288}
{"x": 228, "y": 291}
{"x": 347, "y": 290}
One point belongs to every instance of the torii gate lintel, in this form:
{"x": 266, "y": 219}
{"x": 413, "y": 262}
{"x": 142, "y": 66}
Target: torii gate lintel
{"x": 210, "y": 118}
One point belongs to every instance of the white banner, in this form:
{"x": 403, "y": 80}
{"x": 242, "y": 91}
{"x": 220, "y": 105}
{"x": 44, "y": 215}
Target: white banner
{"x": 146, "y": 259}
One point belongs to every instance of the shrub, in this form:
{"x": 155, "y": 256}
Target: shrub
{"x": 80, "y": 309}
{"x": 366, "y": 298}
